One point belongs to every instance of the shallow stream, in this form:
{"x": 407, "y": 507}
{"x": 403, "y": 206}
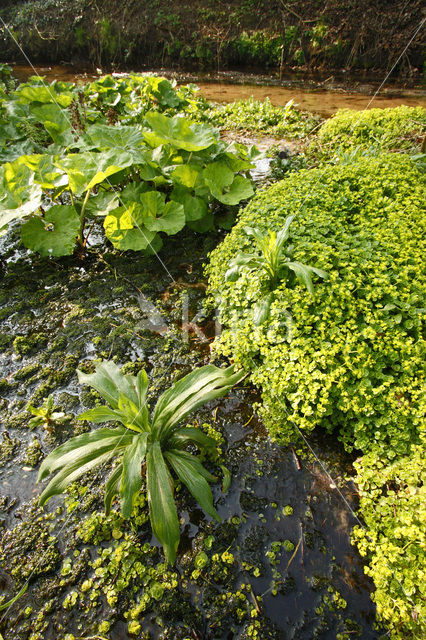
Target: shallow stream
{"x": 58, "y": 314}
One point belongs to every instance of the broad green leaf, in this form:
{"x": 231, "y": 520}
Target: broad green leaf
{"x": 186, "y": 175}
{"x": 75, "y": 470}
{"x": 218, "y": 176}
{"x": 162, "y": 508}
{"x": 195, "y": 208}
{"x": 46, "y": 94}
{"x": 84, "y": 443}
{"x": 122, "y": 137}
{"x": 185, "y": 435}
{"x": 45, "y": 173}
{"x": 262, "y": 309}
{"x": 186, "y": 395}
{"x": 132, "y": 192}
{"x": 109, "y": 382}
{"x": 178, "y": 132}
{"x": 163, "y": 90}
{"x": 19, "y": 196}
{"x": 100, "y": 414}
{"x": 201, "y": 225}
{"x": 131, "y": 479}
{"x": 125, "y": 228}
{"x": 86, "y": 170}
{"x": 53, "y": 235}
{"x": 171, "y": 220}
{"x": 102, "y": 203}
{"x": 240, "y": 189}
{"x": 55, "y": 120}
{"x": 187, "y": 468}
{"x": 112, "y": 487}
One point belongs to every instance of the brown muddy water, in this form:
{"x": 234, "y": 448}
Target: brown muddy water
{"x": 321, "y": 97}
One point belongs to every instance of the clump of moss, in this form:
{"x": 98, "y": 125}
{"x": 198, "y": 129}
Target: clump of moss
{"x": 28, "y": 372}
{"x": 8, "y": 448}
{"x": 24, "y": 345}
{"x": 34, "y": 453}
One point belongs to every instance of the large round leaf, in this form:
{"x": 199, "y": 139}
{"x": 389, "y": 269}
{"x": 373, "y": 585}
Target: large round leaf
{"x": 55, "y": 234}
{"x": 125, "y": 228}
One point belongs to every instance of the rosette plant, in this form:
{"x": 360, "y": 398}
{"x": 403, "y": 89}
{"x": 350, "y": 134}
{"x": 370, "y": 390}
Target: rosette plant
{"x": 153, "y": 446}
{"x": 273, "y": 258}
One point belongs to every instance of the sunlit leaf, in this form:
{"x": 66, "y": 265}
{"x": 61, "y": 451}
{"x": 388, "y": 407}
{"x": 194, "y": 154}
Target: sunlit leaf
{"x": 54, "y": 234}
{"x": 178, "y": 132}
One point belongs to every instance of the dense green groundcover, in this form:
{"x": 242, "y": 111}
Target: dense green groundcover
{"x": 348, "y": 132}
{"x": 393, "y": 506}
{"x": 350, "y": 358}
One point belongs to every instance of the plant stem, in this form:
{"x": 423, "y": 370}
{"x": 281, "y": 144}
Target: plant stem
{"x": 82, "y": 219}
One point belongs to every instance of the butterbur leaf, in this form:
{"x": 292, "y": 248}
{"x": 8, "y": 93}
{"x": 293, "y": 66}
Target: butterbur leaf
{"x": 45, "y": 173}
{"x": 53, "y": 235}
{"x": 19, "y": 196}
{"x": 44, "y": 94}
{"x": 162, "y": 508}
{"x": 122, "y": 137}
{"x": 186, "y": 175}
{"x": 86, "y": 170}
{"x": 195, "y": 208}
{"x": 171, "y": 220}
{"x": 55, "y": 121}
{"x": 217, "y": 176}
{"x": 178, "y": 132}
{"x": 202, "y": 225}
{"x": 102, "y": 203}
{"x": 240, "y": 189}
{"x": 131, "y": 480}
{"x": 187, "y": 468}
{"x": 125, "y": 228}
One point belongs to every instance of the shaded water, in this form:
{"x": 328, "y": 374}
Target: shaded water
{"x": 324, "y": 100}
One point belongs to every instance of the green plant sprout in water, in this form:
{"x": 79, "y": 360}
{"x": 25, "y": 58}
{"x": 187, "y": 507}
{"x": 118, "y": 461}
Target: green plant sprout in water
{"x": 274, "y": 260}
{"x": 46, "y": 415}
{"x": 156, "y": 442}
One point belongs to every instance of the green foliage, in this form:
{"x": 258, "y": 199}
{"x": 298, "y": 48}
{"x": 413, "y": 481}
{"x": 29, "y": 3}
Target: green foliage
{"x": 398, "y": 129}
{"x": 263, "y": 117}
{"x": 113, "y": 154}
{"x": 156, "y": 442}
{"x": 393, "y": 507}
{"x": 346, "y": 358}
{"x": 274, "y": 260}
{"x": 46, "y": 415}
